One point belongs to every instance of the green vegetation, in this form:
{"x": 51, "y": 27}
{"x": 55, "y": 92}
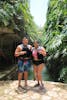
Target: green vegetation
{"x": 16, "y": 16}
{"x": 55, "y": 39}
{"x": 15, "y": 23}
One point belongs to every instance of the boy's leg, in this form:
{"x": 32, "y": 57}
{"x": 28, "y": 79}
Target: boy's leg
{"x": 19, "y": 78}
{"x": 20, "y": 72}
{"x": 25, "y": 77}
{"x": 26, "y": 69}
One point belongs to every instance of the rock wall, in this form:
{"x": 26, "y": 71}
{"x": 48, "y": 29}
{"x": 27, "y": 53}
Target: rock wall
{"x": 8, "y": 43}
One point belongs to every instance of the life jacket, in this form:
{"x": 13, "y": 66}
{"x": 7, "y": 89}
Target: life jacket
{"x": 40, "y": 56}
{"x": 36, "y": 53}
{"x": 28, "y": 51}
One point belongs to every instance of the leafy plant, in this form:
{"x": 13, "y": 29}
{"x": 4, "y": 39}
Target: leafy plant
{"x": 55, "y": 34}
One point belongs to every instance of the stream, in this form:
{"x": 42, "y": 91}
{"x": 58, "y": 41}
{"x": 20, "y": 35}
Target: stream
{"x": 11, "y": 74}
{"x": 45, "y": 74}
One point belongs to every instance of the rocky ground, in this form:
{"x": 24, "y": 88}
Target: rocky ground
{"x": 51, "y": 91}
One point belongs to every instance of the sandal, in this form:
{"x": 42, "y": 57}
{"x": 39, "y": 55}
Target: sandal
{"x": 42, "y": 87}
{"x": 20, "y": 89}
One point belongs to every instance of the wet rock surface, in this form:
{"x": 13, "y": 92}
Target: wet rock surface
{"x": 51, "y": 91}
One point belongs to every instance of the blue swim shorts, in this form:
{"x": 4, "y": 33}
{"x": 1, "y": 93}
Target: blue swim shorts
{"x": 24, "y": 65}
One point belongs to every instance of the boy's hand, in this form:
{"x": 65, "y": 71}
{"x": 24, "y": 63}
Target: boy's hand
{"x": 23, "y": 52}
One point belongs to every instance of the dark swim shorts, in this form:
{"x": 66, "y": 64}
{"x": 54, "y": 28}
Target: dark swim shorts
{"x": 38, "y": 62}
{"x": 24, "y": 65}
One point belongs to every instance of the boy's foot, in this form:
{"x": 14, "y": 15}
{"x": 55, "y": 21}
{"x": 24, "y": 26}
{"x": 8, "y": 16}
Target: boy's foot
{"x": 20, "y": 89}
{"x": 26, "y": 87}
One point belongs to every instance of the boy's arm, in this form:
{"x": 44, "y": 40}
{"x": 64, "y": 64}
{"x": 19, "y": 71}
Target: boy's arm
{"x": 19, "y": 52}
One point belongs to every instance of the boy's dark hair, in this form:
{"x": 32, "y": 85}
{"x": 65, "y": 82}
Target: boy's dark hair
{"x": 25, "y": 38}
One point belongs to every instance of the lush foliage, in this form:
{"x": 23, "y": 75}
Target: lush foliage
{"x": 55, "y": 33}
{"x": 14, "y": 15}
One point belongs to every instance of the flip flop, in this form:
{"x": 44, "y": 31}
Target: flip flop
{"x": 20, "y": 89}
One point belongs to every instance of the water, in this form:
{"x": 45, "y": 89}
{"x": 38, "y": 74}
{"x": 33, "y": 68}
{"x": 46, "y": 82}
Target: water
{"x": 14, "y": 74}
{"x": 45, "y": 74}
